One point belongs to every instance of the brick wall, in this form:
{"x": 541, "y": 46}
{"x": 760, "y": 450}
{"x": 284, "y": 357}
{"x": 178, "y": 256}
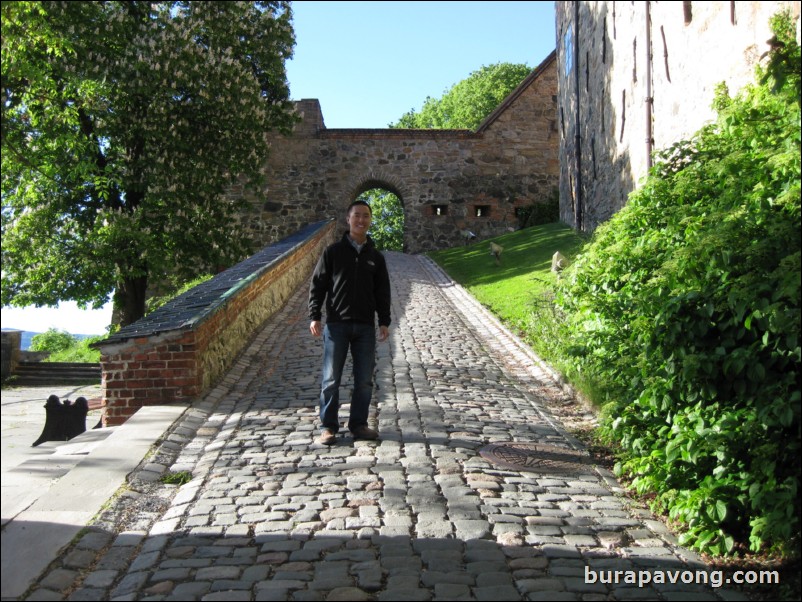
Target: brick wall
{"x": 176, "y": 355}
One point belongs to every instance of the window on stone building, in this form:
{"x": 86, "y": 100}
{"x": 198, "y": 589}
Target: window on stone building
{"x": 439, "y": 209}
{"x": 481, "y": 210}
{"x": 587, "y": 71}
{"x": 687, "y": 11}
{"x": 604, "y": 41}
{"x": 568, "y": 50}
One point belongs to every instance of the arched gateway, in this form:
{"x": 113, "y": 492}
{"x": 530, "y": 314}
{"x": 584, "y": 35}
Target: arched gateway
{"x": 447, "y": 180}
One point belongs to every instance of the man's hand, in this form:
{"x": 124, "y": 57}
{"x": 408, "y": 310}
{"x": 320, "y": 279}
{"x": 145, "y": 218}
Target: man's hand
{"x": 384, "y": 333}
{"x": 316, "y": 328}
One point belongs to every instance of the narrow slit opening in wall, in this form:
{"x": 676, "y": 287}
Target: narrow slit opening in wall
{"x": 687, "y": 12}
{"x": 615, "y": 33}
{"x": 603, "y": 114}
{"x": 604, "y": 41}
{"x": 439, "y": 209}
{"x": 481, "y": 210}
{"x": 665, "y": 53}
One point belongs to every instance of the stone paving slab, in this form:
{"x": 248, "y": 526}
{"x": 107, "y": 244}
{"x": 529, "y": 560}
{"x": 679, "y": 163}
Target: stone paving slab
{"x": 418, "y": 515}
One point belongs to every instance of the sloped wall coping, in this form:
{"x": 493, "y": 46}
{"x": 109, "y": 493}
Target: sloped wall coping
{"x": 179, "y": 351}
{"x": 191, "y": 308}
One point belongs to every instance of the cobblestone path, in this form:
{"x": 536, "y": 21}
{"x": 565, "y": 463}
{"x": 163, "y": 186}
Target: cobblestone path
{"x": 420, "y": 514}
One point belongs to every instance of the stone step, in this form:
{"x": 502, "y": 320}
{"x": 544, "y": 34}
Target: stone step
{"x": 54, "y": 373}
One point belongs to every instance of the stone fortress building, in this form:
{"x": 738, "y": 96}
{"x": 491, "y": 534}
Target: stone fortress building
{"x": 638, "y": 76}
{"x": 447, "y": 180}
{"x": 542, "y": 136}
{"x": 626, "y": 79}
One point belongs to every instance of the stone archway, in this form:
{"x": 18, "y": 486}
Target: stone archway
{"x": 387, "y": 205}
{"x": 448, "y": 180}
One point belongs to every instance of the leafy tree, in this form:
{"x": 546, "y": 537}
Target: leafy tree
{"x": 81, "y": 352}
{"x": 65, "y": 347}
{"x": 467, "y": 103}
{"x": 464, "y": 106}
{"x": 53, "y": 341}
{"x": 387, "y": 227}
{"x": 123, "y": 124}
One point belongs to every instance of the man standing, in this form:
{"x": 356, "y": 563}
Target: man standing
{"x": 351, "y": 277}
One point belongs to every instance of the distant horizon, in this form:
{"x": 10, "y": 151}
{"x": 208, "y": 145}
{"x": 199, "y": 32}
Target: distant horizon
{"x": 67, "y": 315}
{"x": 27, "y": 337}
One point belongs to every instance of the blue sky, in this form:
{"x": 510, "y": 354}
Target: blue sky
{"x": 368, "y": 63}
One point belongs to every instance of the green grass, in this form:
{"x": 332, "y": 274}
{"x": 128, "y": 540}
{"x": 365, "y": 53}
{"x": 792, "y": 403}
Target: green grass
{"x": 512, "y": 289}
{"x": 80, "y": 352}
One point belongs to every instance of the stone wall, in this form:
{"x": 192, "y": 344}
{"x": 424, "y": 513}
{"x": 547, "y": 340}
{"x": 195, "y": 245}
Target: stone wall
{"x": 11, "y": 340}
{"x": 447, "y": 180}
{"x": 610, "y": 54}
{"x": 179, "y": 351}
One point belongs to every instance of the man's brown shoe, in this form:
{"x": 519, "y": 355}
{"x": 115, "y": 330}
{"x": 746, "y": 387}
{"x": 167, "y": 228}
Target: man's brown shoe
{"x": 363, "y": 432}
{"x": 327, "y": 437}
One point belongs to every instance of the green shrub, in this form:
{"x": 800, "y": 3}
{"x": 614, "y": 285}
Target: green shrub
{"x": 80, "y": 352}
{"x": 684, "y": 315}
{"x": 53, "y": 341}
{"x": 65, "y": 347}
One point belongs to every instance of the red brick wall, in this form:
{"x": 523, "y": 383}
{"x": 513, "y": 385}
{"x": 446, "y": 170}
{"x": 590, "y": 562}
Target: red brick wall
{"x": 178, "y": 366}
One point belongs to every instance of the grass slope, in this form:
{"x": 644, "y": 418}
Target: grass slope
{"x": 524, "y": 275}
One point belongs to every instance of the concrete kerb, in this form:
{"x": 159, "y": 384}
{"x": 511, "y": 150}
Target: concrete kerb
{"x": 36, "y": 535}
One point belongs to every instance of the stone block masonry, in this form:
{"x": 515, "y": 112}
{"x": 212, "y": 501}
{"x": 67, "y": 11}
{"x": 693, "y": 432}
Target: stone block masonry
{"x": 446, "y": 180}
{"x": 10, "y": 351}
{"x": 181, "y": 350}
{"x": 635, "y": 77}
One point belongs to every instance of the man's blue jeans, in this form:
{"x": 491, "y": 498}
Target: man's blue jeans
{"x": 338, "y": 338}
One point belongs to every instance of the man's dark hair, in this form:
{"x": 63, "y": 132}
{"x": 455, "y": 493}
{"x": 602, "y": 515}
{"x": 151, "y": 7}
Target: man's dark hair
{"x": 355, "y": 203}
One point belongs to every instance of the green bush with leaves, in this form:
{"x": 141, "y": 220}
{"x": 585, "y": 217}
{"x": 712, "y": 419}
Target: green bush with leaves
{"x": 81, "y": 352}
{"x": 684, "y": 315}
{"x": 65, "y": 347}
{"x": 52, "y": 341}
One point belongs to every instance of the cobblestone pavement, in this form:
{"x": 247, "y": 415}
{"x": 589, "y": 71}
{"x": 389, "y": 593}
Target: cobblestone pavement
{"x": 418, "y": 515}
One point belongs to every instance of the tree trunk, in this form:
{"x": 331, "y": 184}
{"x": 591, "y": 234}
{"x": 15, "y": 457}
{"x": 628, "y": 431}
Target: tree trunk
{"x": 129, "y": 299}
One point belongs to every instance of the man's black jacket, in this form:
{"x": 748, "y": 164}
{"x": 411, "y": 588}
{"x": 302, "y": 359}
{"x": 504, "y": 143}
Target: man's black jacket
{"x": 355, "y": 286}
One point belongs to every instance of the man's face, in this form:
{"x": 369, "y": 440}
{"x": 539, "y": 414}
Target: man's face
{"x": 359, "y": 220}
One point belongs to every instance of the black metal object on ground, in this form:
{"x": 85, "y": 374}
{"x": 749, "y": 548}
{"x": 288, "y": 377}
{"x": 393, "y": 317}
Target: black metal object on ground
{"x": 536, "y": 457}
{"x": 63, "y": 420}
